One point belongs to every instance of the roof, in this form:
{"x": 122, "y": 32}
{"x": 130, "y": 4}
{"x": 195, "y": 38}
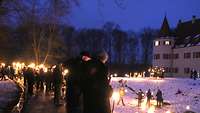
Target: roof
{"x": 189, "y": 28}
{"x": 188, "y": 41}
{"x": 165, "y": 29}
{"x": 187, "y": 33}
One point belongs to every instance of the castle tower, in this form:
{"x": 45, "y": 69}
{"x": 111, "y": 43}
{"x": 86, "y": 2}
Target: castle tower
{"x": 162, "y": 48}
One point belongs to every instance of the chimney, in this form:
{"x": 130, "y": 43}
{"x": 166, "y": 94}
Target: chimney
{"x": 193, "y": 19}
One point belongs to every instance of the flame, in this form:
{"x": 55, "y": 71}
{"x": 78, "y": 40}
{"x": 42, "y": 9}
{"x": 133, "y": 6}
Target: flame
{"x": 65, "y": 72}
{"x": 115, "y": 96}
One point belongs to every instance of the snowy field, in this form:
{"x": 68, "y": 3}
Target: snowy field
{"x": 188, "y": 100}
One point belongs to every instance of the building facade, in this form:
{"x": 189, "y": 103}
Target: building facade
{"x": 178, "y": 51}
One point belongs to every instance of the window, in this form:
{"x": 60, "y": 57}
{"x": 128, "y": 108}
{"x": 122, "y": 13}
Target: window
{"x": 171, "y": 70}
{"x": 157, "y": 56}
{"x": 175, "y": 70}
{"x": 187, "y": 55}
{"x": 167, "y": 42}
{"x": 175, "y": 56}
{"x": 157, "y": 43}
{"x": 196, "y": 54}
{"x": 187, "y": 70}
{"x": 167, "y": 69}
{"x": 167, "y": 56}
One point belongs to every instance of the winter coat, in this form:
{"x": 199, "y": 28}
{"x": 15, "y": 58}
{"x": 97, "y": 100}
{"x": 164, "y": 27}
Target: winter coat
{"x": 96, "y": 88}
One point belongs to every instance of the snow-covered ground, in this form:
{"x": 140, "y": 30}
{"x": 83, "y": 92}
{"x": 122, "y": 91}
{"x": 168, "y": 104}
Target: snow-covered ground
{"x": 189, "y": 99}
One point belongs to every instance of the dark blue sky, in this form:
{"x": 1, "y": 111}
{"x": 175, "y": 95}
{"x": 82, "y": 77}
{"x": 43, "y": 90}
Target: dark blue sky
{"x": 136, "y": 15}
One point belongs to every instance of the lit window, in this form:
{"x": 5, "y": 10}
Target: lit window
{"x": 167, "y": 42}
{"x": 157, "y": 43}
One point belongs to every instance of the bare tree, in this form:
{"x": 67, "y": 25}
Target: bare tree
{"x": 40, "y": 17}
{"x": 120, "y": 38}
{"x": 147, "y": 36}
{"x": 132, "y": 43}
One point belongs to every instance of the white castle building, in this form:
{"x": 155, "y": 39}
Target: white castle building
{"x": 178, "y": 52}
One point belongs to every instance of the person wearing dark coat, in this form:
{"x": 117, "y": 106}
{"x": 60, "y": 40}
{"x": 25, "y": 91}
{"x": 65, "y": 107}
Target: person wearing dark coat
{"x": 48, "y": 80}
{"x": 57, "y": 82}
{"x": 30, "y": 80}
{"x": 149, "y": 97}
{"x": 74, "y": 92}
{"x": 159, "y": 98}
{"x": 73, "y": 86}
{"x": 96, "y": 90}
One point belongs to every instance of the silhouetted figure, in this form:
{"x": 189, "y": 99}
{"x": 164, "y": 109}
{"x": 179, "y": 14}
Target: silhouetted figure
{"x": 48, "y": 79}
{"x": 178, "y": 92}
{"x": 195, "y": 75}
{"x": 74, "y": 93}
{"x": 140, "y": 97}
{"x": 30, "y": 80}
{"x": 57, "y": 82}
{"x": 149, "y": 97}
{"x": 159, "y": 98}
{"x": 3, "y": 73}
{"x": 97, "y": 91}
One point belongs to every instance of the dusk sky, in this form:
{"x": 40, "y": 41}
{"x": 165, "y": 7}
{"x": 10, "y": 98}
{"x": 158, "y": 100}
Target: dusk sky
{"x": 136, "y": 14}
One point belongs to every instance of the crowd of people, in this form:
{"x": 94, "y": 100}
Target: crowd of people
{"x": 6, "y": 70}
{"x": 87, "y": 85}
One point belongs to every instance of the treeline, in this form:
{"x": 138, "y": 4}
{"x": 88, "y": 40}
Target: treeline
{"x": 38, "y": 31}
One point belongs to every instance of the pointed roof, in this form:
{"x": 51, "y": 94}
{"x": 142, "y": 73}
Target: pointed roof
{"x": 165, "y": 29}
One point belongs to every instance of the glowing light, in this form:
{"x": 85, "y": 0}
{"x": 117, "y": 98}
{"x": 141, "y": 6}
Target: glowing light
{"x": 126, "y": 75}
{"x": 65, "y": 72}
{"x": 115, "y": 75}
{"x": 45, "y": 70}
{"x": 41, "y": 66}
{"x": 168, "y": 111}
{"x": 3, "y": 64}
{"x": 188, "y": 107}
{"x": 143, "y": 104}
{"x": 111, "y": 75}
{"x": 126, "y": 90}
{"x": 167, "y": 42}
{"x": 151, "y": 109}
{"x": 31, "y": 65}
{"x": 115, "y": 96}
{"x": 54, "y": 66}
{"x": 134, "y": 102}
{"x": 156, "y": 43}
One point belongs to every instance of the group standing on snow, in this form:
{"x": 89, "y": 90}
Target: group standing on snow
{"x": 140, "y": 95}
